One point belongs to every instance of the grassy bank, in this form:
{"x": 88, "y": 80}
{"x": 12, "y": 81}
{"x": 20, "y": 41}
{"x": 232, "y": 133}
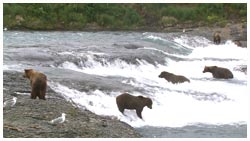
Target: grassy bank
{"x": 119, "y": 16}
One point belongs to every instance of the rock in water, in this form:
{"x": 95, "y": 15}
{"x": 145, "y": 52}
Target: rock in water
{"x": 59, "y": 119}
{"x": 10, "y": 103}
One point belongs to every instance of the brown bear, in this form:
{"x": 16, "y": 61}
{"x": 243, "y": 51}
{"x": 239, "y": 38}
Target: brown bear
{"x": 170, "y": 77}
{"x": 127, "y": 101}
{"x": 217, "y": 37}
{"x": 219, "y": 72}
{"x": 38, "y": 82}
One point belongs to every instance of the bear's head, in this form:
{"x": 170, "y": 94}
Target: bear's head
{"x": 146, "y": 101}
{"x": 27, "y": 73}
{"x": 209, "y": 68}
{"x": 217, "y": 34}
{"x": 164, "y": 74}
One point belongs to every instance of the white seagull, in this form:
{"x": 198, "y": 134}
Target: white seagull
{"x": 184, "y": 30}
{"x": 59, "y": 119}
{"x": 10, "y": 103}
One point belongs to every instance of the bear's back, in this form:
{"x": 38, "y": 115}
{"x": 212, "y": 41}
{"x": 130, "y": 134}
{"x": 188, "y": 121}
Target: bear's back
{"x": 127, "y": 101}
{"x": 170, "y": 77}
{"x": 220, "y": 72}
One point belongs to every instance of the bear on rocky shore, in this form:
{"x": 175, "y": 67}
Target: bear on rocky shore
{"x": 38, "y": 82}
{"x": 217, "y": 37}
{"x": 170, "y": 77}
{"x": 219, "y": 72}
{"x": 127, "y": 101}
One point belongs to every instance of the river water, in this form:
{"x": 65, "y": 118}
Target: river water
{"x": 92, "y": 68}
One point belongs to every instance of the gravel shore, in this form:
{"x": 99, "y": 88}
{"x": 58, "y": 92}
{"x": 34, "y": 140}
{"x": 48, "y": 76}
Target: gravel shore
{"x": 30, "y": 118}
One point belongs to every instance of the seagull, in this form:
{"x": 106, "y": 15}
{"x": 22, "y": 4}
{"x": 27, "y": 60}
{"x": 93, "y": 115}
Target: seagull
{"x": 59, "y": 119}
{"x": 10, "y": 103}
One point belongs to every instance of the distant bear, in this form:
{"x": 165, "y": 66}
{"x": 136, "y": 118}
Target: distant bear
{"x": 170, "y": 77}
{"x": 217, "y": 37}
{"x": 219, "y": 72}
{"x": 127, "y": 101}
{"x": 38, "y": 82}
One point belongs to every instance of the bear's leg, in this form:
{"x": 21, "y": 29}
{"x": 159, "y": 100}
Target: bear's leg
{"x": 138, "y": 112}
{"x": 121, "y": 109}
{"x": 33, "y": 94}
{"x": 42, "y": 94}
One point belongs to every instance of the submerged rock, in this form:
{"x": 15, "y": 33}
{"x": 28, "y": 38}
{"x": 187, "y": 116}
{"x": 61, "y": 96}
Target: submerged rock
{"x": 242, "y": 68}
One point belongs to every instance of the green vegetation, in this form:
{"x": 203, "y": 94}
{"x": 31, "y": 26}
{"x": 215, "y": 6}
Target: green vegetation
{"x": 118, "y": 16}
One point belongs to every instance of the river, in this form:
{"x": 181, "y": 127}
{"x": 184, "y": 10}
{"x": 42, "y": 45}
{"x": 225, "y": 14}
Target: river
{"x": 92, "y": 68}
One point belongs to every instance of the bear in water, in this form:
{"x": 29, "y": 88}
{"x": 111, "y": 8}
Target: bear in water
{"x": 170, "y": 77}
{"x": 38, "y": 82}
{"x": 127, "y": 101}
{"x": 219, "y": 72}
{"x": 217, "y": 37}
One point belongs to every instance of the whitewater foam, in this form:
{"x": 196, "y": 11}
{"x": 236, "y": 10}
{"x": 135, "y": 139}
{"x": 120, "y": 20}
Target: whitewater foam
{"x": 169, "y": 110}
{"x": 204, "y": 100}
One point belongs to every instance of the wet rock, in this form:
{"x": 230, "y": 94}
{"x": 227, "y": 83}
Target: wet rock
{"x": 30, "y": 118}
{"x": 241, "y": 68}
{"x": 234, "y": 32}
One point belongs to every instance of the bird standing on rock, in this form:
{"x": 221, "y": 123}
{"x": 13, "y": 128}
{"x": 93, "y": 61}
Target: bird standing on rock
{"x": 59, "y": 119}
{"x": 10, "y": 103}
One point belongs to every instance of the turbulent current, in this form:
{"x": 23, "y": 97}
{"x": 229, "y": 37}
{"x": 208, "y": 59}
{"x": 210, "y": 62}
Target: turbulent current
{"x": 92, "y": 68}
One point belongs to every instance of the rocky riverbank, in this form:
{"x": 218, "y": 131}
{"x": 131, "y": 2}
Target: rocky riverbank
{"x": 232, "y": 31}
{"x": 30, "y": 118}
{"x": 235, "y": 31}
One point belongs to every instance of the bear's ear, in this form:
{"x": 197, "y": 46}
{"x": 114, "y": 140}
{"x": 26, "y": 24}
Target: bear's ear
{"x": 140, "y": 97}
{"x": 27, "y": 70}
{"x": 167, "y": 73}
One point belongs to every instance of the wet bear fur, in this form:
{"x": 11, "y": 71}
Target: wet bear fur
{"x": 127, "y": 101}
{"x": 170, "y": 77}
{"x": 219, "y": 72}
{"x": 217, "y": 37}
{"x": 38, "y": 82}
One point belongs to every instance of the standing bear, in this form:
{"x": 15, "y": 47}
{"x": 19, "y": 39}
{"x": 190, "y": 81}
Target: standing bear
{"x": 170, "y": 77}
{"x": 127, "y": 101}
{"x": 219, "y": 72}
{"x": 38, "y": 82}
{"x": 217, "y": 37}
